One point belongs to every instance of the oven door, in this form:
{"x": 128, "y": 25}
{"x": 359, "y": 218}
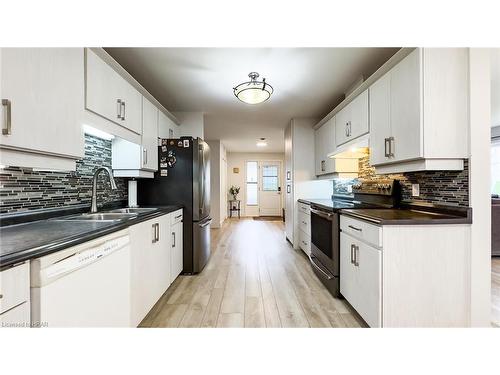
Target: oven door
{"x": 325, "y": 242}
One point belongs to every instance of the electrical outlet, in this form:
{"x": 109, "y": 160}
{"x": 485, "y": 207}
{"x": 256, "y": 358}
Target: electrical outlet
{"x": 415, "y": 190}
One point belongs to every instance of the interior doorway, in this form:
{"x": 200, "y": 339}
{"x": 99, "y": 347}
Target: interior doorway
{"x": 270, "y": 200}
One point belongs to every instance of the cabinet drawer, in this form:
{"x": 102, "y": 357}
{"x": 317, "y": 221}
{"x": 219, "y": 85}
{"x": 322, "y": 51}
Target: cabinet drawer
{"x": 367, "y": 232}
{"x": 176, "y": 217}
{"x": 305, "y": 208}
{"x": 14, "y": 286}
{"x": 305, "y": 242}
{"x": 18, "y": 317}
{"x": 305, "y": 223}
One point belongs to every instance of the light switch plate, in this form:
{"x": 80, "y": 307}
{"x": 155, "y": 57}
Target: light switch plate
{"x": 415, "y": 190}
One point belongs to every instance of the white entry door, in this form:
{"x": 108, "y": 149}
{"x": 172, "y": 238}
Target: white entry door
{"x": 270, "y": 188}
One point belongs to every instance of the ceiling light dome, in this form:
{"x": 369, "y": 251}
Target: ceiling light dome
{"x": 253, "y": 92}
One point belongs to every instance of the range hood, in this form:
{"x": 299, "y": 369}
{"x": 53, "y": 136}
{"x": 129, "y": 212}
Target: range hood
{"x": 355, "y": 149}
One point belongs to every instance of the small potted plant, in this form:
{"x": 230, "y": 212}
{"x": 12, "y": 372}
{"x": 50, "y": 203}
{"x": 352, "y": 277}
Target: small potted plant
{"x": 234, "y": 191}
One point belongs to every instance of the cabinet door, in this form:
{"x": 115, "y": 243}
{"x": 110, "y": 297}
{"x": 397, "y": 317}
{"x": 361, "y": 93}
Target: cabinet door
{"x": 342, "y": 125}
{"x": 103, "y": 88}
{"x": 45, "y": 91}
{"x": 149, "y": 153}
{"x": 369, "y": 269}
{"x": 325, "y": 144}
{"x": 348, "y": 274}
{"x": 166, "y": 127}
{"x": 380, "y": 120}
{"x": 318, "y": 152}
{"x": 163, "y": 251}
{"x": 132, "y": 109}
{"x": 358, "y": 122}
{"x": 406, "y": 125}
{"x": 150, "y": 265}
{"x": 109, "y": 95}
{"x": 177, "y": 251}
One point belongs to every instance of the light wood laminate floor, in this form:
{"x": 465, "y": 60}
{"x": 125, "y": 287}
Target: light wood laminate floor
{"x": 495, "y": 291}
{"x": 253, "y": 279}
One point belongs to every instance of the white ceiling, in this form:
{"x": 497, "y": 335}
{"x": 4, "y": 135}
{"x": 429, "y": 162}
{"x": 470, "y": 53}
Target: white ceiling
{"x": 495, "y": 87}
{"x": 307, "y": 82}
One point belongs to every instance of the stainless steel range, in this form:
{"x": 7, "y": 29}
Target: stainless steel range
{"x": 325, "y": 226}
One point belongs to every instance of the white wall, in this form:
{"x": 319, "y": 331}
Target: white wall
{"x": 238, "y": 160}
{"x": 218, "y": 173}
{"x": 192, "y": 124}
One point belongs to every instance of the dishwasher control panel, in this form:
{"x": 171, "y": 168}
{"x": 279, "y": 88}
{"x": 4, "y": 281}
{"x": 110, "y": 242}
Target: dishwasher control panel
{"x": 83, "y": 258}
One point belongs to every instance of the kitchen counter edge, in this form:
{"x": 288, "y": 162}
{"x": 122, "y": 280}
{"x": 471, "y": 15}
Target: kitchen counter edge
{"x": 66, "y": 242}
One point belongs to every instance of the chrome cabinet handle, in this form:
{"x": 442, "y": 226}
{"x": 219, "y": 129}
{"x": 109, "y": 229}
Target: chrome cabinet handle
{"x": 352, "y": 253}
{"x": 154, "y": 233}
{"x": 356, "y": 256}
{"x": 119, "y": 109}
{"x": 173, "y": 239}
{"x": 8, "y": 117}
{"x": 347, "y": 129}
{"x": 123, "y": 112}
{"x": 157, "y": 232}
{"x": 386, "y": 152}
{"x": 357, "y": 229}
{"x": 322, "y": 165}
{"x": 144, "y": 156}
{"x": 391, "y": 143}
{"x": 178, "y": 216}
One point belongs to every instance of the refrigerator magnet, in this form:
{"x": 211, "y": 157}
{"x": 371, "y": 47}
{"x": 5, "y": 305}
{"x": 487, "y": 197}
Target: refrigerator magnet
{"x": 164, "y": 172}
{"x": 186, "y": 143}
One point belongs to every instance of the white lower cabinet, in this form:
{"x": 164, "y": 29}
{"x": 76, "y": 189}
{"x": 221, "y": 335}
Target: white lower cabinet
{"x": 406, "y": 275}
{"x": 177, "y": 256}
{"x": 150, "y": 265}
{"x": 15, "y": 296}
{"x": 361, "y": 278}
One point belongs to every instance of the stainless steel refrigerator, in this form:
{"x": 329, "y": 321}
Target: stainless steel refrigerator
{"x": 183, "y": 177}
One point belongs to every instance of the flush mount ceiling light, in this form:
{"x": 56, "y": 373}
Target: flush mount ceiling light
{"x": 261, "y": 142}
{"x": 253, "y": 92}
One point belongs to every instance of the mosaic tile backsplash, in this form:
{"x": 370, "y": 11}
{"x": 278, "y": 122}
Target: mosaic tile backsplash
{"x": 24, "y": 189}
{"x": 442, "y": 187}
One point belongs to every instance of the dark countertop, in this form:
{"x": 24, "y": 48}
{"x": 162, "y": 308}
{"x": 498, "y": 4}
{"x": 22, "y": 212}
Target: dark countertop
{"x": 412, "y": 215}
{"x": 326, "y": 204}
{"x": 408, "y": 213}
{"x": 33, "y": 239}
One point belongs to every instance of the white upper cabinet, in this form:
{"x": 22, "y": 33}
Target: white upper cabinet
{"x": 138, "y": 160}
{"x": 166, "y": 127}
{"x": 149, "y": 135}
{"x": 109, "y": 95}
{"x": 418, "y": 113}
{"x": 42, "y": 92}
{"x": 352, "y": 120}
{"x": 324, "y": 142}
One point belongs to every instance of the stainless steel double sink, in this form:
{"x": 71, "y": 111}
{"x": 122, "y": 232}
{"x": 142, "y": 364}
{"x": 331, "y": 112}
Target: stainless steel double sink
{"x": 112, "y": 215}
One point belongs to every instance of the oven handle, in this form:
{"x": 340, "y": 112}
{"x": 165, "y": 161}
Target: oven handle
{"x": 323, "y": 214}
{"x": 311, "y": 258}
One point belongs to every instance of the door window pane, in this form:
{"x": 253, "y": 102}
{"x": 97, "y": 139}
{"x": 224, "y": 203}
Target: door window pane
{"x": 270, "y": 183}
{"x": 270, "y": 171}
{"x": 252, "y": 178}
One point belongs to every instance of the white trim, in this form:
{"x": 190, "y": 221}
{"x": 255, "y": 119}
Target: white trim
{"x": 479, "y": 190}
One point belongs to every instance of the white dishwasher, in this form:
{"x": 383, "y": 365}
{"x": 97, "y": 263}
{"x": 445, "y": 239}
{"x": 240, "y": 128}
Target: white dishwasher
{"x": 84, "y": 286}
